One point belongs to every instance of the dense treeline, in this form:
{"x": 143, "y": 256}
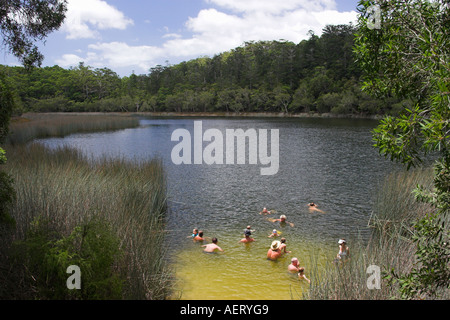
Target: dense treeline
{"x": 317, "y": 75}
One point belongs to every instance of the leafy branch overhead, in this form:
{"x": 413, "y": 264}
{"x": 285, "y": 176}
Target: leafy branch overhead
{"x": 22, "y": 23}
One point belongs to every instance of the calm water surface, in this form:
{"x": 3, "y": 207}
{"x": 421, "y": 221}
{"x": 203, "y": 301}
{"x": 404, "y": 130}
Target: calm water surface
{"x": 328, "y": 161}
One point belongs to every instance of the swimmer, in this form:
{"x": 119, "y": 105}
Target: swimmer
{"x": 199, "y": 236}
{"x": 194, "y": 233}
{"x": 212, "y": 247}
{"x": 247, "y": 238}
{"x": 301, "y": 275}
{"x": 248, "y": 229}
{"x": 294, "y": 266}
{"x": 282, "y": 220}
{"x": 274, "y": 233}
{"x": 274, "y": 252}
{"x": 283, "y": 246}
{"x": 313, "y": 207}
{"x": 265, "y": 211}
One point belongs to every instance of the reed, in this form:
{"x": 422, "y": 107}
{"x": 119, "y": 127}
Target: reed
{"x": 390, "y": 246}
{"x": 64, "y": 187}
{"x": 35, "y": 125}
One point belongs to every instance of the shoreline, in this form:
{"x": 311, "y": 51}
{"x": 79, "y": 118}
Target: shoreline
{"x": 216, "y": 115}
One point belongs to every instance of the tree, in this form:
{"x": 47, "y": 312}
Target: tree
{"x": 23, "y": 22}
{"x": 282, "y": 98}
{"x": 6, "y": 190}
{"x": 408, "y": 55}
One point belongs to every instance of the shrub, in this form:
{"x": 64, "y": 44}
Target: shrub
{"x": 47, "y": 255}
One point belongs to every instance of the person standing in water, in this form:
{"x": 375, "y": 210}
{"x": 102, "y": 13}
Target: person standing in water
{"x": 247, "y": 234}
{"x": 344, "y": 252}
{"x": 283, "y": 246}
{"x": 212, "y": 247}
{"x": 274, "y": 252}
{"x": 294, "y": 266}
{"x": 199, "y": 236}
{"x": 301, "y": 275}
{"x": 194, "y": 233}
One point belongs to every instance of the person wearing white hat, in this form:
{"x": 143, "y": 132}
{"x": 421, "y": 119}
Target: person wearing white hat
{"x": 344, "y": 251}
{"x": 274, "y": 252}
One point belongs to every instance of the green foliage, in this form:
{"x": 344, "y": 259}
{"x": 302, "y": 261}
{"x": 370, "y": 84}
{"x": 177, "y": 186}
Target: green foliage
{"x": 7, "y": 196}
{"x": 430, "y": 272}
{"x": 24, "y": 22}
{"x": 6, "y": 106}
{"x": 408, "y": 57}
{"x": 92, "y": 247}
{"x": 7, "y": 193}
{"x": 263, "y": 76}
{"x": 70, "y": 193}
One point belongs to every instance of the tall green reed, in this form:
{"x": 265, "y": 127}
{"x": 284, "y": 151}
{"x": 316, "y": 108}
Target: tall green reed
{"x": 34, "y": 125}
{"x": 64, "y": 187}
{"x": 394, "y": 213}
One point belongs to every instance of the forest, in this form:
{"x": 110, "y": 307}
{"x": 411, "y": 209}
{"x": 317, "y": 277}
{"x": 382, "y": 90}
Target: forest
{"x": 317, "y": 75}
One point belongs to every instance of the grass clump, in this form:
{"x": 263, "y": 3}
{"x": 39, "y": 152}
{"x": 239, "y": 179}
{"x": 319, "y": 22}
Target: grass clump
{"x": 390, "y": 247}
{"x": 106, "y": 216}
{"x": 37, "y": 126}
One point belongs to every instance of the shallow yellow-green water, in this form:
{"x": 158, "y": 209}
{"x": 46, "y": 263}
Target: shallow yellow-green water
{"x": 242, "y": 271}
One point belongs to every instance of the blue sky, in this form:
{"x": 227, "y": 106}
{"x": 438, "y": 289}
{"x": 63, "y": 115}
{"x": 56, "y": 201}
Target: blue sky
{"x": 135, "y": 35}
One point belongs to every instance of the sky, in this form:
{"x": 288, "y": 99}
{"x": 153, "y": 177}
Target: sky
{"x": 132, "y": 36}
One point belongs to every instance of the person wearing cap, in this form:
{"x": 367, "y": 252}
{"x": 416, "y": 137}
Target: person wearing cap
{"x": 294, "y": 266}
{"x": 274, "y": 252}
{"x": 344, "y": 251}
{"x": 247, "y": 234}
{"x": 274, "y": 233}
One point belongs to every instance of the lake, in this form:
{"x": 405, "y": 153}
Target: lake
{"x": 330, "y": 162}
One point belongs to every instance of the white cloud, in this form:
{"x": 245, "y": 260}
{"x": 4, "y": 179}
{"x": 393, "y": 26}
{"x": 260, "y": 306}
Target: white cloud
{"x": 172, "y": 35}
{"x": 214, "y": 31}
{"x": 254, "y": 20}
{"x": 68, "y": 60}
{"x": 85, "y": 17}
{"x": 274, "y": 7}
{"x": 120, "y": 54}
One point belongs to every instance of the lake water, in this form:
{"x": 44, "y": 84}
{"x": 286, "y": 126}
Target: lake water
{"x": 327, "y": 161}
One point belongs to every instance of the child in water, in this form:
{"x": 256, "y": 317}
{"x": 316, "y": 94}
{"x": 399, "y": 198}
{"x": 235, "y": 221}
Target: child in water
{"x": 301, "y": 275}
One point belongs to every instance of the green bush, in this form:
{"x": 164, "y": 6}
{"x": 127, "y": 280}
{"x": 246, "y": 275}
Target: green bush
{"x": 91, "y": 246}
